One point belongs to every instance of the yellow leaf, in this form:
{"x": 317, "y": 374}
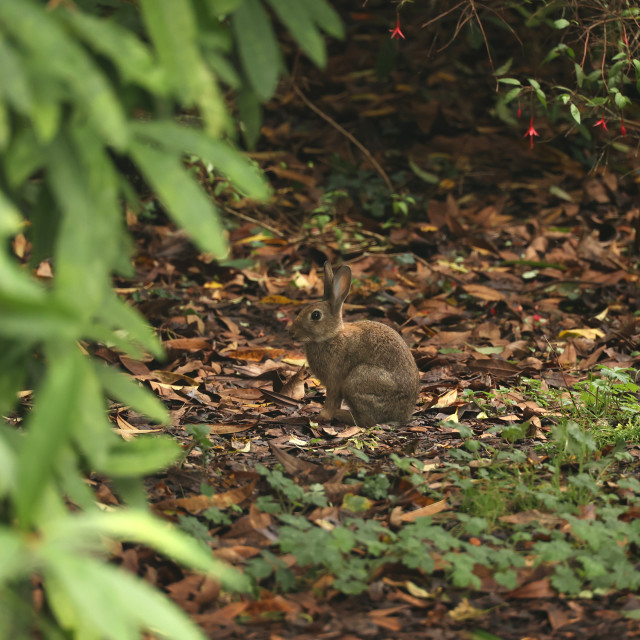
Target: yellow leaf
{"x": 424, "y": 512}
{"x": 590, "y": 334}
{"x": 447, "y": 399}
{"x": 465, "y": 611}
{"x": 279, "y": 300}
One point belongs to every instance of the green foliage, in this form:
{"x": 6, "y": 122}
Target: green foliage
{"x": 72, "y": 76}
{"x": 291, "y": 496}
{"x": 604, "y": 72}
{"x": 594, "y": 552}
{"x": 571, "y": 61}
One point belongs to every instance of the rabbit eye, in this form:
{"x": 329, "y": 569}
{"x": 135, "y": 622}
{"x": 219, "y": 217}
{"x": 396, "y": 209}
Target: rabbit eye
{"x": 316, "y": 315}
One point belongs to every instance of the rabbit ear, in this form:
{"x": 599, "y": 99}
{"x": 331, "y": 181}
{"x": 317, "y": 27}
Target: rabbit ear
{"x": 328, "y": 280}
{"x": 340, "y": 290}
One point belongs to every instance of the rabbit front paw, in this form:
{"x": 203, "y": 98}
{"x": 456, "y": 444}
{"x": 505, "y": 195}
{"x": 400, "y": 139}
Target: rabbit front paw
{"x": 325, "y": 415}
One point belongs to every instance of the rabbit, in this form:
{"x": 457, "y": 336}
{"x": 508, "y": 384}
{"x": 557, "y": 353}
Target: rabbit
{"x": 365, "y": 363}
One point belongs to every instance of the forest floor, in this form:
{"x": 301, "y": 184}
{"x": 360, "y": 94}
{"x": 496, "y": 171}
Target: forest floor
{"x": 509, "y": 506}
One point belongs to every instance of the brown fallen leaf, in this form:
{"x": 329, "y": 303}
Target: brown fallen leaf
{"x": 465, "y": 611}
{"x": 256, "y": 354}
{"x": 128, "y": 431}
{"x": 291, "y": 464}
{"x": 536, "y": 589}
{"x": 193, "y": 591}
{"x": 137, "y": 368}
{"x": 349, "y": 432}
{"x": 294, "y": 386}
{"x": 558, "y": 617}
{"x": 223, "y": 429}
{"x": 526, "y": 517}
{"x": 236, "y": 553}
{"x": 382, "y": 617}
{"x": 198, "y": 503}
{"x": 221, "y": 617}
{"x": 483, "y": 292}
{"x": 447, "y": 399}
{"x": 280, "y": 399}
{"x": 569, "y": 356}
{"x": 187, "y": 344}
{"x": 499, "y": 368}
{"x": 281, "y": 300}
{"x": 424, "y": 512}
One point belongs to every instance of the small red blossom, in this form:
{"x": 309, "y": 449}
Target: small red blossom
{"x": 531, "y": 132}
{"x": 519, "y": 111}
{"x": 537, "y": 317}
{"x": 602, "y": 123}
{"x": 623, "y": 129}
{"x": 397, "y": 32}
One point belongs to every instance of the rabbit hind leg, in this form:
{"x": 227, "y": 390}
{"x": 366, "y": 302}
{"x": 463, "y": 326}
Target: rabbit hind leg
{"x": 371, "y": 394}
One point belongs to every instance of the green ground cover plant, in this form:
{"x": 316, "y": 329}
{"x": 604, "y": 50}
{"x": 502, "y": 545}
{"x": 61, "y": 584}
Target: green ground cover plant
{"x": 567, "y": 513}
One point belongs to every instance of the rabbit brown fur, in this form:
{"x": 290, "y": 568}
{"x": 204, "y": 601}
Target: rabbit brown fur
{"x": 365, "y": 363}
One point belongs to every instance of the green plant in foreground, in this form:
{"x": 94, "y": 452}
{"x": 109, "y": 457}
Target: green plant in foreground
{"x": 73, "y": 75}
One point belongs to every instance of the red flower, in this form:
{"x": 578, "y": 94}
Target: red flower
{"x": 531, "y": 132}
{"x": 519, "y": 111}
{"x": 623, "y": 129}
{"x": 602, "y": 123}
{"x": 397, "y": 32}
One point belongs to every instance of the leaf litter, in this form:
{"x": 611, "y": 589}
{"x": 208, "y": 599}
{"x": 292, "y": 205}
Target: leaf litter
{"x": 513, "y": 277}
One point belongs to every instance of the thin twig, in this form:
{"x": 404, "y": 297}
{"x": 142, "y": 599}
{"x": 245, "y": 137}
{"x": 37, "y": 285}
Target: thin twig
{"x": 258, "y": 223}
{"x": 442, "y": 15}
{"x": 484, "y": 35}
{"x": 346, "y": 134}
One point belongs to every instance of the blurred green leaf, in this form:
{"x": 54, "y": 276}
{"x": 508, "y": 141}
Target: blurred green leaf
{"x": 13, "y": 557}
{"x": 172, "y": 26}
{"x": 120, "y": 386}
{"x": 182, "y": 196}
{"x": 132, "y": 328}
{"x": 257, "y": 46}
{"x": 621, "y": 101}
{"x": 76, "y": 531}
{"x": 23, "y": 157}
{"x": 297, "y": 18}
{"x": 575, "y": 112}
{"x": 325, "y": 16}
{"x": 132, "y": 57}
{"x": 97, "y": 600}
{"x": 512, "y": 94}
{"x": 503, "y": 68}
{"x": 221, "y": 8}
{"x": 250, "y": 113}
{"x": 224, "y": 158}
{"x": 48, "y": 429}
{"x": 38, "y": 31}
{"x": 510, "y": 81}
{"x": 84, "y": 252}
{"x": 141, "y": 456}
{"x": 5, "y": 127}
{"x": 14, "y": 84}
